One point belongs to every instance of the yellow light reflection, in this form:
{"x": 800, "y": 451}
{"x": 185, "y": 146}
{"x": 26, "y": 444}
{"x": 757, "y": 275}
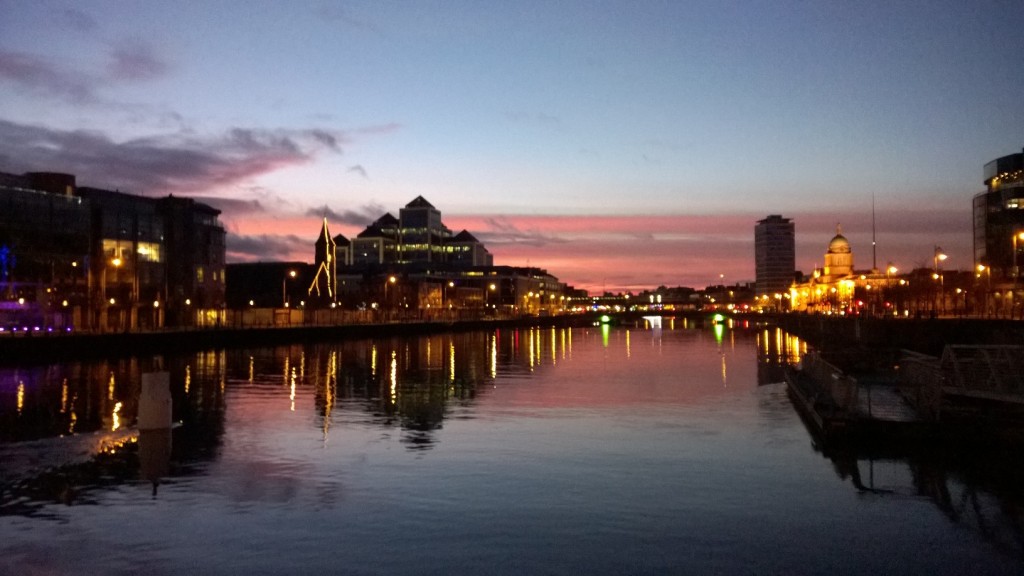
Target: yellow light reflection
{"x": 494, "y": 356}
{"x": 724, "y": 379}
{"x": 188, "y": 378}
{"x": 451, "y": 361}
{"x": 64, "y": 396}
{"x": 291, "y": 395}
{"x": 110, "y": 387}
{"x": 21, "y": 397}
{"x": 529, "y": 344}
{"x": 629, "y": 353}
{"x": 394, "y": 376}
{"x": 252, "y": 369}
{"x": 116, "y": 417}
{"x": 373, "y": 361}
{"x": 554, "y": 346}
{"x": 329, "y": 391}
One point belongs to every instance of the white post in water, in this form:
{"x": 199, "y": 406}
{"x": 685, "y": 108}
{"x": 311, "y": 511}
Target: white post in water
{"x": 155, "y": 427}
{"x": 155, "y": 401}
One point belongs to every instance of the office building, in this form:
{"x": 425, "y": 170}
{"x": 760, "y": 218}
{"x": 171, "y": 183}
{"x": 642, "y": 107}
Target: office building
{"x": 999, "y": 220}
{"x": 774, "y": 255}
{"x": 95, "y": 259}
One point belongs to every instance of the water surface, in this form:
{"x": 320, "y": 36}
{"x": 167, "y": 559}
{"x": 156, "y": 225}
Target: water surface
{"x": 602, "y": 450}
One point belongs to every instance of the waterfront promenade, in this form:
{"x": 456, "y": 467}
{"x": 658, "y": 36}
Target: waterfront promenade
{"x": 830, "y": 334}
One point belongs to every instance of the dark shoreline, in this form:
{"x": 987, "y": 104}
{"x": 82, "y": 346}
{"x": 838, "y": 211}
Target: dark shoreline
{"x": 50, "y": 348}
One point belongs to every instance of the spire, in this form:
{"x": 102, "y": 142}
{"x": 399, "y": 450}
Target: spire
{"x": 325, "y": 232}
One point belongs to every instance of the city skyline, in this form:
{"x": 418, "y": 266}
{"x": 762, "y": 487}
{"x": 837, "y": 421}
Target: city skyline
{"x": 620, "y": 146}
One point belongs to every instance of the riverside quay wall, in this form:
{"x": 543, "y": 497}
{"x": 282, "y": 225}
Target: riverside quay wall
{"x": 46, "y": 347}
{"x": 926, "y": 335}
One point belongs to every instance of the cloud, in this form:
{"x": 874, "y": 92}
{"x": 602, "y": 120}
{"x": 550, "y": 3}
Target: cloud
{"x": 375, "y": 129}
{"x": 162, "y": 164}
{"x": 264, "y": 247}
{"x": 502, "y": 231}
{"x": 130, "y": 60}
{"x": 234, "y": 206}
{"x": 40, "y": 76}
{"x": 135, "y": 60}
{"x": 360, "y": 217}
{"x": 77, "y": 20}
{"x": 358, "y": 169}
{"x": 332, "y": 12}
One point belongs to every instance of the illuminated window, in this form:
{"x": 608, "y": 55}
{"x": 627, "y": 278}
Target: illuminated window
{"x": 149, "y": 252}
{"x": 199, "y": 274}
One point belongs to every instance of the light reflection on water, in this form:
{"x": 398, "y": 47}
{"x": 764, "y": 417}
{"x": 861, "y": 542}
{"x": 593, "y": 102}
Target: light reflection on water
{"x": 639, "y": 449}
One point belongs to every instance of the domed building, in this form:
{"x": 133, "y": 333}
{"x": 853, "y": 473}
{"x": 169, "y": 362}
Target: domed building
{"x": 830, "y": 288}
{"x": 838, "y": 258}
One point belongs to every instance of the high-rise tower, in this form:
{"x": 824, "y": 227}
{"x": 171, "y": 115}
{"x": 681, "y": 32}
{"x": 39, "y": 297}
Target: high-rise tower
{"x": 774, "y": 255}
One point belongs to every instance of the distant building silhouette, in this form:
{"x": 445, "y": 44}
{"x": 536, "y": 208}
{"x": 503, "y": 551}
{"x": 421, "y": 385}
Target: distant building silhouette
{"x": 774, "y": 255}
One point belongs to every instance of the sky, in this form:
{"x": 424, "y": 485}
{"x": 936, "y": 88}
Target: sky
{"x": 619, "y": 145}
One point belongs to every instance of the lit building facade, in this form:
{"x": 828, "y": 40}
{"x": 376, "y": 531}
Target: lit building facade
{"x": 44, "y": 251}
{"x": 93, "y": 259}
{"x": 832, "y": 287}
{"x": 999, "y": 220}
{"x": 417, "y": 237}
{"x": 422, "y": 235}
{"x": 415, "y": 262}
{"x": 774, "y": 255}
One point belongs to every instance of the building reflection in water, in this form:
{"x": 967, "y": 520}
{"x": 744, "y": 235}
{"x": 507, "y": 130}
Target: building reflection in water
{"x": 776, "y": 349}
{"x": 413, "y": 385}
{"x": 82, "y": 416}
{"x": 978, "y": 488}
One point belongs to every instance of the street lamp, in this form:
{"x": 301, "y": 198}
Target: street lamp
{"x": 116, "y": 263}
{"x": 1016, "y": 270}
{"x": 284, "y": 287}
{"x": 982, "y": 269}
{"x": 390, "y": 280}
{"x": 487, "y": 295}
{"x": 937, "y": 274}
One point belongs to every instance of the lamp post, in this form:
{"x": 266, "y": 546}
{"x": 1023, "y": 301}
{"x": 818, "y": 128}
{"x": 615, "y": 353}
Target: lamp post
{"x": 390, "y": 280}
{"x": 105, "y": 318}
{"x": 487, "y": 295}
{"x": 284, "y": 287}
{"x": 982, "y": 269}
{"x": 937, "y": 274}
{"x": 1015, "y": 269}
{"x": 889, "y": 271}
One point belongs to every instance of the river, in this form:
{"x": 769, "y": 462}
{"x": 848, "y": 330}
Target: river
{"x": 656, "y": 448}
